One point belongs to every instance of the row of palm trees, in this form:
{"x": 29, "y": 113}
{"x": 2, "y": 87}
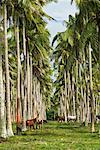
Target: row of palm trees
{"x": 25, "y": 82}
{"x": 77, "y": 63}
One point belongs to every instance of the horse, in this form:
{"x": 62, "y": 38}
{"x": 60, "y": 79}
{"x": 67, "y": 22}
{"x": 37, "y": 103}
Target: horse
{"x": 61, "y": 118}
{"x": 97, "y": 118}
{"x": 31, "y": 122}
{"x": 45, "y": 121}
{"x": 71, "y": 118}
{"x": 40, "y": 123}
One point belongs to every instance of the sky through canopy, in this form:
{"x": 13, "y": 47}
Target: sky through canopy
{"x": 60, "y": 12}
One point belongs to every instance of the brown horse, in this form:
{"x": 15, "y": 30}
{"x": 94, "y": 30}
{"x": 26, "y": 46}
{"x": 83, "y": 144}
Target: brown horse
{"x": 31, "y": 122}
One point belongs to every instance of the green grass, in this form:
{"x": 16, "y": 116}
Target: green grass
{"x": 55, "y": 136}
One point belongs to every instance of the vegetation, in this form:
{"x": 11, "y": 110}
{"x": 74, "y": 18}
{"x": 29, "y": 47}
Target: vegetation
{"x": 55, "y": 136}
{"x": 25, "y": 66}
{"x": 27, "y": 92}
{"x": 77, "y": 64}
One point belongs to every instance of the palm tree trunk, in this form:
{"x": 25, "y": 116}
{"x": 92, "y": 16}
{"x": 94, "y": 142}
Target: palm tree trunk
{"x": 31, "y": 81}
{"x": 2, "y": 105}
{"x": 87, "y": 102}
{"x": 63, "y": 100}
{"x": 73, "y": 92}
{"x": 69, "y": 93}
{"x": 86, "y": 94}
{"x": 18, "y": 76}
{"x": 35, "y": 102}
{"x": 28, "y": 85}
{"x": 41, "y": 110}
{"x": 61, "y": 106}
{"x": 9, "y": 125}
{"x": 77, "y": 101}
{"x": 66, "y": 111}
{"x": 38, "y": 98}
{"x": 23, "y": 106}
{"x": 91, "y": 89}
{"x": 84, "y": 105}
{"x": 25, "y": 91}
{"x": 81, "y": 92}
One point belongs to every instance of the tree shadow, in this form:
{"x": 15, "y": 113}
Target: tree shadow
{"x": 42, "y": 134}
{"x": 2, "y": 140}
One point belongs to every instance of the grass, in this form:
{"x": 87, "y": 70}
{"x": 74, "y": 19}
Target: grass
{"x": 55, "y": 136}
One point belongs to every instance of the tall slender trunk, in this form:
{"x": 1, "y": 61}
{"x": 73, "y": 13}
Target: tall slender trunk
{"x": 35, "y": 102}
{"x": 14, "y": 104}
{"x": 23, "y": 106}
{"x": 81, "y": 92}
{"x": 61, "y": 106}
{"x": 91, "y": 89}
{"x": 41, "y": 110}
{"x": 87, "y": 102}
{"x": 77, "y": 101}
{"x": 69, "y": 93}
{"x": 18, "y": 74}
{"x": 84, "y": 105}
{"x": 2, "y": 105}
{"x": 86, "y": 94}
{"x": 31, "y": 81}
{"x": 28, "y": 85}
{"x": 38, "y": 99}
{"x": 11, "y": 101}
{"x": 73, "y": 92}
{"x": 66, "y": 98}
{"x": 63, "y": 100}
{"x": 25, "y": 91}
{"x": 9, "y": 125}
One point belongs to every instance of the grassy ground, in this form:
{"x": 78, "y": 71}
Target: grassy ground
{"x": 55, "y": 136}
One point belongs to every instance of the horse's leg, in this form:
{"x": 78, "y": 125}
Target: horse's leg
{"x": 33, "y": 126}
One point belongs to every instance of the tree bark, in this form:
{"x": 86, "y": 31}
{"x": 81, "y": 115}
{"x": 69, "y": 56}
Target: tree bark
{"x": 9, "y": 125}
{"x": 28, "y": 85}
{"x": 81, "y": 92}
{"x": 18, "y": 119}
{"x": 66, "y": 98}
{"x": 91, "y": 89}
{"x": 35, "y": 99}
{"x": 31, "y": 85}
{"x": 3, "y": 132}
{"x": 25, "y": 91}
{"x": 73, "y": 92}
{"x": 77, "y": 101}
{"x": 87, "y": 102}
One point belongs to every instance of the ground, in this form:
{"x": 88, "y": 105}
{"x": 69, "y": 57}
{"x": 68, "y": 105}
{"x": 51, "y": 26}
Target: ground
{"x": 55, "y": 136}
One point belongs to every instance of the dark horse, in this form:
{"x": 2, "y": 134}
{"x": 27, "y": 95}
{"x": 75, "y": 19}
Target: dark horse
{"x": 61, "y": 118}
{"x": 97, "y": 118}
{"x": 40, "y": 123}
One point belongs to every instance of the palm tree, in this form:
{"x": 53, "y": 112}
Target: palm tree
{"x": 18, "y": 73}
{"x": 89, "y": 10}
{"x": 9, "y": 126}
{"x": 30, "y": 20}
{"x": 3, "y": 132}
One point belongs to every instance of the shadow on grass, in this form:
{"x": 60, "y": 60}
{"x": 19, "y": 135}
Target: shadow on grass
{"x": 2, "y": 140}
{"x": 43, "y": 134}
{"x": 57, "y": 130}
